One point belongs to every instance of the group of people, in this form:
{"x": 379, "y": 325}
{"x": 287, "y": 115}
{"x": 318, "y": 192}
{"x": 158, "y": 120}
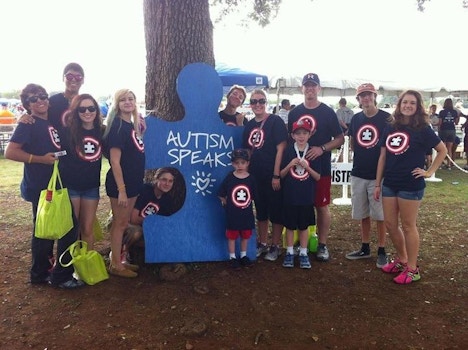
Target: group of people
{"x": 71, "y": 121}
{"x": 291, "y": 169}
{"x": 283, "y": 170}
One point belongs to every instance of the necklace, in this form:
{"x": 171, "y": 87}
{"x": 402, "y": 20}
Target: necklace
{"x": 299, "y": 168}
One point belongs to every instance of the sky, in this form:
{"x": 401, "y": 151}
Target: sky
{"x": 368, "y": 39}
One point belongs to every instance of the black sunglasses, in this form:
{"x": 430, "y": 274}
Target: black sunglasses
{"x": 84, "y": 109}
{"x": 254, "y": 101}
{"x": 33, "y": 99}
{"x": 71, "y": 76}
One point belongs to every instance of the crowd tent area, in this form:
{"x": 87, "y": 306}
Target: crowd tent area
{"x": 336, "y": 87}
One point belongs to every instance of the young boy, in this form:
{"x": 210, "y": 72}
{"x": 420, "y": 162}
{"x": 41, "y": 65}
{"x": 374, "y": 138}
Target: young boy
{"x": 299, "y": 181}
{"x": 237, "y": 193}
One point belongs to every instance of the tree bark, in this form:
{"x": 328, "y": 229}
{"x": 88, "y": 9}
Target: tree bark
{"x": 177, "y": 32}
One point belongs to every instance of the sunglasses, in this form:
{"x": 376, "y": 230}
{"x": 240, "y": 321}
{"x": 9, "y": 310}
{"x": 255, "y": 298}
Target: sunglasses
{"x": 76, "y": 77}
{"x": 33, "y": 99}
{"x": 88, "y": 108}
{"x": 254, "y": 101}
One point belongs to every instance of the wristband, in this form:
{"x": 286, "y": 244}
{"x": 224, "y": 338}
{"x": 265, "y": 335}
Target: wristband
{"x": 377, "y": 186}
{"x": 276, "y": 177}
{"x": 121, "y": 188}
{"x": 30, "y": 159}
{"x": 323, "y": 148}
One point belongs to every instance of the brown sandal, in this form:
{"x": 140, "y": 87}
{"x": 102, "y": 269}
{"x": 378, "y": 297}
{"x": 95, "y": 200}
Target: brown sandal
{"x": 122, "y": 273}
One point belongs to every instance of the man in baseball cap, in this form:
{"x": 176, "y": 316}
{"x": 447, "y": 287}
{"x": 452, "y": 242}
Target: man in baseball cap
{"x": 326, "y": 135}
{"x": 311, "y": 78}
{"x": 364, "y": 132}
{"x": 366, "y": 87}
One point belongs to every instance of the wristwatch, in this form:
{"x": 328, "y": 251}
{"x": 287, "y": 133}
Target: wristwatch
{"x": 323, "y": 148}
{"x": 277, "y": 177}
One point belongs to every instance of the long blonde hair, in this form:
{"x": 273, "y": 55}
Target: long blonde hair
{"x": 115, "y": 111}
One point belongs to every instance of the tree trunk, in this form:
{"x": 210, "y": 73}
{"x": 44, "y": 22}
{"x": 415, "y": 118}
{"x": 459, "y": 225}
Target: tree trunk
{"x": 177, "y": 32}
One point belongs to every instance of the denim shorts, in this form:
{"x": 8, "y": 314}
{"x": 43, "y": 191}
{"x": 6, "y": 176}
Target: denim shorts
{"x": 410, "y": 195}
{"x": 92, "y": 193}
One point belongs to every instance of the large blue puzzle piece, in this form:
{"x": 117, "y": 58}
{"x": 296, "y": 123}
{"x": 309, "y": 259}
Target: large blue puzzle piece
{"x": 199, "y": 146}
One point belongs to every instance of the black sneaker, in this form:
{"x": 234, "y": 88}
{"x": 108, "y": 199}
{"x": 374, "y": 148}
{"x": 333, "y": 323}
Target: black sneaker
{"x": 70, "y": 284}
{"x": 358, "y": 254}
{"x": 234, "y": 264}
{"x": 246, "y": 262}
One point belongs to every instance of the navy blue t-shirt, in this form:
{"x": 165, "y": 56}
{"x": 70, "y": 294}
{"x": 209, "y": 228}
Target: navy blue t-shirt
{"x": 406, "y": 150}
{"x": 262, "y": 142}
{"x": 366, "y": 133}
{"x": 58, "y": 106}
{"x": 80, "y": 169}
{"x": 325, "y": 127}
{"x": 148, "y": 204}
{"x": 448, "y": 117}
{"x": 38, "y": 139}
{"x": 122, "y": 135}
{"x": 229, "y": 119}
{"x": 240, "y": 194}
{"x": 298, "y": 186}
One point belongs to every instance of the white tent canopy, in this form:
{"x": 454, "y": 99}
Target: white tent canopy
{"x": 347, "y": 87}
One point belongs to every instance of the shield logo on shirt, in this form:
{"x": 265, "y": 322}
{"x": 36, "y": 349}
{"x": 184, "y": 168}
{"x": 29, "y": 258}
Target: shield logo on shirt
{"x": 138, "y": 141}
{"x": 54, "y": 137}
{"x": 397, "y": 142}
{"x": 367, "y": 136}
{"x": 150, "y": 209}
{"x": 257, "y": 138}
{"x": 241, "y": 196}
{"x": 90, "y": 150}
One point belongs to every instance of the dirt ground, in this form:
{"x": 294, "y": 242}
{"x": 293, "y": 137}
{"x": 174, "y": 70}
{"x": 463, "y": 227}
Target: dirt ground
{"x": 341, "y": 304}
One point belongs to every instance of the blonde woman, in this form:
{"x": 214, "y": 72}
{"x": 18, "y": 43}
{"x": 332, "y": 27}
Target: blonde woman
{"x": 124, "y": 144}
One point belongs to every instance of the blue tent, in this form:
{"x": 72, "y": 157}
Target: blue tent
{"x": 231, "y": 76}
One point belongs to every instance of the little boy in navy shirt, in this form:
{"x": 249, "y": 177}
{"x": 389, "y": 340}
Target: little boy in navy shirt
{"x": 237, "y": 193}
{"x": 299, "y": 180}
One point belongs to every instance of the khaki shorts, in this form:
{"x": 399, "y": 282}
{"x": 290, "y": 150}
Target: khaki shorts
{"x": 362, "y": 199}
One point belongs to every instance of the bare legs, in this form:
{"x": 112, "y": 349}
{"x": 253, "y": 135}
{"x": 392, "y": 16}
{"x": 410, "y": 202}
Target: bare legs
{"x": 406, "y": 238}
{"x": 85, "y": 212}
{"x": 121, "y": 217}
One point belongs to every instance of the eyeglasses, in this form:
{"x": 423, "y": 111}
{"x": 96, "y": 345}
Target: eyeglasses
{"x": 33, "y": 99}
{"x": 71, "y": 76}
{"x": 88, "y": 108}
{"x": 254, "y": 101}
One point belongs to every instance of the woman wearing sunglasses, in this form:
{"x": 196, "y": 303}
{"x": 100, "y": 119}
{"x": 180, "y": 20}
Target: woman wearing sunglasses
{"x": 265, "y": 136}
{"x": 35, "y": 145}
{"x": 82, "y": 140}
{"x": 124, "y": 144}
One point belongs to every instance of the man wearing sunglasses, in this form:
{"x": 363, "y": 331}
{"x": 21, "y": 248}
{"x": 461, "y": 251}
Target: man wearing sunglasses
{"x": 326, "y": 135}
{"x": 73, "y": 77}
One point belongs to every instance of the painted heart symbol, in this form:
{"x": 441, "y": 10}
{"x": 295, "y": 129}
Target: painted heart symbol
{"x": 202, "y": 184}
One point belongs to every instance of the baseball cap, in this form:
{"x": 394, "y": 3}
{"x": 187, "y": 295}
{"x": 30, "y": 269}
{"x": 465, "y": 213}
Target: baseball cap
{"x": 301, "y": 124}
{"x": 311, "y": 78}
{"x": 366, "y": 87}
{"x": 240, "y": 153}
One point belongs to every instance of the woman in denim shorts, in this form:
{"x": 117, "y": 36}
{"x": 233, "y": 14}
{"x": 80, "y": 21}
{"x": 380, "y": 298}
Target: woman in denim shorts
{"x": 401, "y": 166}
{"x": 80, "y": 168}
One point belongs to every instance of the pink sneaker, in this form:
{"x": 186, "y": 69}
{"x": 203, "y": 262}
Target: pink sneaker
{"x": 394, "y": 266}
{"x": 407, "y": 276}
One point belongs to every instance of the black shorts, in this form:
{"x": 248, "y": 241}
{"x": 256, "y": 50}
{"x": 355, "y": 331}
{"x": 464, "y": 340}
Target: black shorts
{"x": 298, "y": 217}
{"x": 269, "y": 203}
